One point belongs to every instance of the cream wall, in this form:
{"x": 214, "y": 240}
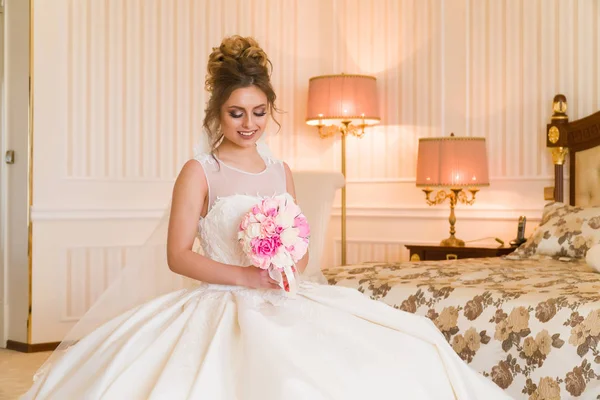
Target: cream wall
{"x": 119, "y": 98}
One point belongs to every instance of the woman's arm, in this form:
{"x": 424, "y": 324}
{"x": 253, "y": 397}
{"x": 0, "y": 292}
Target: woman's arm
{"x": 189, "y": 195}
{"x": 291, "y": 189}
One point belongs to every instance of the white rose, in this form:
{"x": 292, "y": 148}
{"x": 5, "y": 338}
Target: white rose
{"x": 289, "y": 236}
{"x": 246, "y": 247}
{"x": 282, "y": 258}
{"x": 253, "y": 230}
{"x": 285, "y": 219}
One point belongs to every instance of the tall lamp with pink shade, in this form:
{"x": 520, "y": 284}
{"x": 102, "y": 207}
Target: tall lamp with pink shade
{"x": 344, "y": 104}
{"x": 457, "y": 163}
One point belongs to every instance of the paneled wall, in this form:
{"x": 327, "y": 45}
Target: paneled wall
{"x": 119, "y": 104}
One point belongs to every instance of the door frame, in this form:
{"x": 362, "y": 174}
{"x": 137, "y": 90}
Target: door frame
{"x": 3, "y": 191}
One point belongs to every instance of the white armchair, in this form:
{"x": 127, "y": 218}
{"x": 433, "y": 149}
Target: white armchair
{"x": 315, "y": 191}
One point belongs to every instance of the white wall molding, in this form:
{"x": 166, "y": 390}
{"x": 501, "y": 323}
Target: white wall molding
{"x": 492, "y": 179}
{"x": 402, "y": 242}
{"x": 48, "y": 214}
{"x": 359, "y": 211}
{"x": 133, "y": 179}
{"x": 438, "y": 212}
{"x": 349, "y": 180}
{"x": 364, "y": 249}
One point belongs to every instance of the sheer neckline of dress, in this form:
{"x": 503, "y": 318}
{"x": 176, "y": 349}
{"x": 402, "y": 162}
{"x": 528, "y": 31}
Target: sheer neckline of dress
{"x": 241, "y": 170}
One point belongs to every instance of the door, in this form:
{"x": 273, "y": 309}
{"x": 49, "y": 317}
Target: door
{"x": 3, "y": 190}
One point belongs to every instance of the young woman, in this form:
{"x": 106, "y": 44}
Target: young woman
{"x": 235, "y": 334}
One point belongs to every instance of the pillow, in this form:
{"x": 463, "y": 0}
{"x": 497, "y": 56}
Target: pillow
{"x": 315, "y": 192}
{"x": 592, "y": 257}
{"x": 565, "y": 231}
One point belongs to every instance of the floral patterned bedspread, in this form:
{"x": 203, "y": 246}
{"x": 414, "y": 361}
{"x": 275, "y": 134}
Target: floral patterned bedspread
{"x": 532, "y": 326}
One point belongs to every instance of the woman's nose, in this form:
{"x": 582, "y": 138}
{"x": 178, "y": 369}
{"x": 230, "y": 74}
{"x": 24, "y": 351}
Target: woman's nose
{"x": 247, "y": 121}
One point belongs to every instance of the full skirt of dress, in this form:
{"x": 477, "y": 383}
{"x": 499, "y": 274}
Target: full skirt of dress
{"x": 218, "y": 342}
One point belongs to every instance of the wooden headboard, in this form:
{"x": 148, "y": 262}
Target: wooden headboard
{"x": 580, "y": 140}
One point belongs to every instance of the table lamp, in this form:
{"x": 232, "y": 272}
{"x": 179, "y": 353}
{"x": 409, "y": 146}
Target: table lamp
{"x": 343, "y": 104}
{"x": 456, "y": 163}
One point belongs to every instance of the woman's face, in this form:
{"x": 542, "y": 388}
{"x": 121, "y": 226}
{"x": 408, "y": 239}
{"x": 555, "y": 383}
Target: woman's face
{"x": 244, "y": 116}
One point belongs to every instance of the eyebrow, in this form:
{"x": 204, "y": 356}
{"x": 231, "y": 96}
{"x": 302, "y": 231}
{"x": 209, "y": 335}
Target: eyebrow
{"x": 243, "y": 109}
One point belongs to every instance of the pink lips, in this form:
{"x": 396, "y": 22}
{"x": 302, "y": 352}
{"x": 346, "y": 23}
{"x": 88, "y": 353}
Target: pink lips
{"x": 247, "y": 137}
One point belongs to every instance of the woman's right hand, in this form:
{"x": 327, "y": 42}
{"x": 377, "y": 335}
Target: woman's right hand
{"x": 257, "y": 278}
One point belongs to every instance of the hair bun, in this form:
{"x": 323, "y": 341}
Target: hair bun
{"x": 238, "y": 49}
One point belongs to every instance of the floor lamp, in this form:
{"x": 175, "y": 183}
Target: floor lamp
{"x": 343, "y": 104}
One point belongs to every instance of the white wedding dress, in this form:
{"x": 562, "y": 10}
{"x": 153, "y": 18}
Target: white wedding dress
{"x": 222, "y": 342}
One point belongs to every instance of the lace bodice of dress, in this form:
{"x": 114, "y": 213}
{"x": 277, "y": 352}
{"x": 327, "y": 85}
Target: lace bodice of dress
{"x": 232, "y": 193}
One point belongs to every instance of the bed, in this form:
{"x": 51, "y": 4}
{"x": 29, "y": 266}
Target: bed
{"x": 529, "y": 321}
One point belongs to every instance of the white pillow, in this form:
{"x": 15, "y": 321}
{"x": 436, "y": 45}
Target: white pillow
{"x": 593, "y": 257}
{"x": 315, "y": 191}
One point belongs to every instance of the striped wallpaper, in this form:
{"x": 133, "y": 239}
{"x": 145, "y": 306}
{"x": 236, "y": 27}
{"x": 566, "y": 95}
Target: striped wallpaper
{"x": 473, "y": 67}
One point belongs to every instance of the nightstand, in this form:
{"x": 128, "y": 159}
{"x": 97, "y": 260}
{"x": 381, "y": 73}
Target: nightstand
{"x": 435, "y": 253}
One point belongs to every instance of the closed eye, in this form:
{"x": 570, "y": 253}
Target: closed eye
{"x": 240, "y": 115}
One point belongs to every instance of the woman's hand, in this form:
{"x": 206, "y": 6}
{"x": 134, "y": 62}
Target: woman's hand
{"x": 257, "y": 278}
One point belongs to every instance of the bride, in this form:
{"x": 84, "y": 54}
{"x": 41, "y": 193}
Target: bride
{"x": 229, "y": 331}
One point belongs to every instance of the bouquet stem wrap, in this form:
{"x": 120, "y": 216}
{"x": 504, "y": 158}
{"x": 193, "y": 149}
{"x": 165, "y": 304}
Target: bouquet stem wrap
{"x": 291, "y": 282}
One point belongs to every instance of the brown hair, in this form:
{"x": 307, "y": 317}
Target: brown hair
{"x": 237, "y": 63}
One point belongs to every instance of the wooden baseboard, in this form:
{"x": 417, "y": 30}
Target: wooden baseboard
{"x": 30, "y": 348}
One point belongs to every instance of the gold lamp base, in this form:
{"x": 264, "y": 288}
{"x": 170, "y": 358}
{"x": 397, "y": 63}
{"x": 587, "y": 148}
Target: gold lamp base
{"x": 452, "y": 241}
{"x": 455, "y": 195}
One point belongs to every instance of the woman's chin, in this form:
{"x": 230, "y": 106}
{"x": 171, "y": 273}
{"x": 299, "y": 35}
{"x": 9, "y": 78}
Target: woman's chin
{"x": 245, "y": 140}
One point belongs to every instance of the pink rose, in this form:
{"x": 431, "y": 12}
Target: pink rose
{"x": 266, "y": 247}
{"x": 259, "y": 260}
{"x": 301, "y": 223}
{"x": 268, "y": 227}
{"x": 270, "y": 207}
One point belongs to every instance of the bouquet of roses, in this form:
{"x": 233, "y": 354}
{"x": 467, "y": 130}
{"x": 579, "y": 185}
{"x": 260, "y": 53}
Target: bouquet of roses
{"x": 274, "y": 234}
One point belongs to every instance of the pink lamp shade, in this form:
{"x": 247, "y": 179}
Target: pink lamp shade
{"x": 452, "y": 161}
{"x": 335, "y": 98}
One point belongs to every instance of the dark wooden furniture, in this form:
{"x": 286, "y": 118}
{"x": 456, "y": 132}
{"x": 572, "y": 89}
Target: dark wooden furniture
{"x": 435, "y": 253}
{"x": 564, "y": 137}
